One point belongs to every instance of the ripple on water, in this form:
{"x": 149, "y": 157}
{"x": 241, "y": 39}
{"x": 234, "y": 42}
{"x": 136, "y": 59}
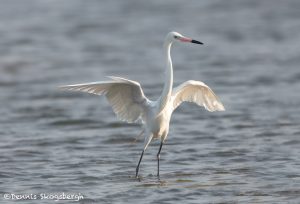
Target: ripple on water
{"x": 230, "y": 153}
{"x": 74, "y": 122}
{"x": 267, "y": 133}
{"x": 119, "y": 139}
{"x": 291, "y": 142}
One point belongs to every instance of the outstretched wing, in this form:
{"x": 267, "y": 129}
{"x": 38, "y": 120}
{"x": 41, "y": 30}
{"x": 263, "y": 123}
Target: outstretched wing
{"x": 197, "y": 92}
{"x": 125, "y": 96}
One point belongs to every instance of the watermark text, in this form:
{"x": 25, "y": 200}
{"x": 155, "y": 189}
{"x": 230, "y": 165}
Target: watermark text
{"x": 44, "y": 196}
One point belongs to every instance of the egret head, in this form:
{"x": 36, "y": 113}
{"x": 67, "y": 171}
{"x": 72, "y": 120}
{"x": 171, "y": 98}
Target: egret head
{"x": 177, "y": 37}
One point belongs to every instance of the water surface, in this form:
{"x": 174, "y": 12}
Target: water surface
{"x": 53, "y": 141}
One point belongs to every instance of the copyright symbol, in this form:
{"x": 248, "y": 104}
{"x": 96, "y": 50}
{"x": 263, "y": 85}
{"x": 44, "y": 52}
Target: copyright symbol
{"x": 6, "y": 196}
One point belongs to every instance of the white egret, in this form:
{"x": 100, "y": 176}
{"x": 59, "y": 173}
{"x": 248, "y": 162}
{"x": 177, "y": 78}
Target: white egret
{"x": 131, "y": 105}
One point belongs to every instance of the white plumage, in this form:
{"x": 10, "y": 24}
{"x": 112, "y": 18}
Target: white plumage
{"x": 125, "y": 96}
{"x": 196, "y": 92}
{"x": 129, "y": 103}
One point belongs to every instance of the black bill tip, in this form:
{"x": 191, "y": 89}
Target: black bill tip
{"x": 197, "y": 42}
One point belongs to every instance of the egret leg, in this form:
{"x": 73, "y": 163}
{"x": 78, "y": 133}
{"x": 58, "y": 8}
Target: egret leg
{"x": 138, "y": 166}
{"x": 147, "y": 142}
{"x": 158, "y": 157}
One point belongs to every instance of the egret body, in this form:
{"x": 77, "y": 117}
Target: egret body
{"x": 131, "y": 105}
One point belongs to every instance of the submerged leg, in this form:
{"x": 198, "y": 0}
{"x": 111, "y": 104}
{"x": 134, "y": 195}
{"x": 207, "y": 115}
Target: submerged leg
{"x": 147, "y": 142}
{"x": 158, "y": 157}
{"x": 138, "y": 166}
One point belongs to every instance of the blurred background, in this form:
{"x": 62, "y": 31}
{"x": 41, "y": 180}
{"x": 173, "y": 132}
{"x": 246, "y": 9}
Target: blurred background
{"x": 55, "y": 141}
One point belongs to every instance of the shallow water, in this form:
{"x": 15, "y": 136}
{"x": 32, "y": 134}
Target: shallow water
{"x": 53, "y": 141}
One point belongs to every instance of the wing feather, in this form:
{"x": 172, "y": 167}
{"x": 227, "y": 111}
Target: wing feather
{"x": 126, "y": 97}
{"x": 196, "y": 92}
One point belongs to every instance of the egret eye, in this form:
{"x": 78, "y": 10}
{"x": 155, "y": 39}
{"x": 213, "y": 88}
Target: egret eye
{"x": 175, "y": 36}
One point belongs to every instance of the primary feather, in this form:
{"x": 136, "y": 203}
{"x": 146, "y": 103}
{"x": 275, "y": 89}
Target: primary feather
{"x": 125, "y": 96}
{"x": 196, "y": 92}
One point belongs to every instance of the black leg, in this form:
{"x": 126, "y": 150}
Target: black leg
{"x": 158, "y": 158}
{"x": 138, "y": 166}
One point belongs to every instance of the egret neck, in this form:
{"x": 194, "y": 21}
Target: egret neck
{"x": 167, "y": 90}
